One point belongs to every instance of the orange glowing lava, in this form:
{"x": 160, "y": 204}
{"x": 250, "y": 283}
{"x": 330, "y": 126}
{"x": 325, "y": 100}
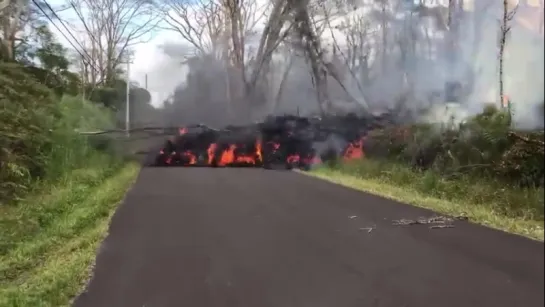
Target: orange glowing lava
{"x": 190, "y": 156}
{"x": 211, "y": 153}
{"x": 258, "y": 151}
{"x": 354, "y": 151}
{"x": 228, "y": 156}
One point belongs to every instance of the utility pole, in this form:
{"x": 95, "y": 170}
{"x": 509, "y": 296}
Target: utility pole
{"x": 127, "y": 102}
{"x": 128, "y": 59}
{"x": 146, "y": 81}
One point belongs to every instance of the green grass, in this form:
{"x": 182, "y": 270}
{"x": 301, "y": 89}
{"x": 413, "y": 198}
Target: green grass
{"x": 485, "y": 202}
{"x": 49, "y": 241}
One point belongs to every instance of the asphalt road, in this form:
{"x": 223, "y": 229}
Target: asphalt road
{"x": 198, "y": 237}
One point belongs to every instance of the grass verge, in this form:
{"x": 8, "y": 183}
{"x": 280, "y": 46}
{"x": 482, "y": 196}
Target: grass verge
{"x": 49, "y": 241}
{"x": 510, "y": 209}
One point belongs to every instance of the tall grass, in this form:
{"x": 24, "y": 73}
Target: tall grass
{"x": 484, "y": 146}
{"x": 58, "y": 189}
{"x": 70, "y": 150}
{"x": 38, "y": 134}
{"x": 494, "y": 195}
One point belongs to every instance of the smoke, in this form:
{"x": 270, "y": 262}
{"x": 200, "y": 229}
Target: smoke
{"x": 425, "y": 68}
{"x": 405, "y": 65}
{"x": 332, "y": 146}
{"x": 161, "y": 62}
{"x": 523, "y": 66}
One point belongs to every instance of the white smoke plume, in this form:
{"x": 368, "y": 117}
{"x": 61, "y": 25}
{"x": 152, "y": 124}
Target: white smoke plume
{"x": 401, "y": 64}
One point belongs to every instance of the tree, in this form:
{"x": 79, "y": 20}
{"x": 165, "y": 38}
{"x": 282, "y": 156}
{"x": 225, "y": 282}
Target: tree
{"x": 200, "y": 23}
{"x": 19, "y": 20}
{"x": 53, "y": 63}
{"x": 112, "y": 27}
{"x": 224, "y": 28}
{"x": 505, "y": 27}
{"x": 27, "y": 39}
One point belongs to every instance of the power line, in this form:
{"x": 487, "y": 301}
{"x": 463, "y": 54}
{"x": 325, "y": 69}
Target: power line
{"x": 86, "y": 58}
{"x": 64, "y": 25}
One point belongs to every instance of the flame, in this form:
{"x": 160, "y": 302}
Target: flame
{"x": 248, "y": 158}
{"x": 239, "y": 154}
{"x": 211, "y": 153}
{"x": 227, "y": 156}
{"x": 258, "y": 151}
{"x": 169, "y": 158}
{"x": 354, "y": 151}
{"x": 190, "y": 156}
{"x": 245, "y": 159}
{"x": 505, "y": 101}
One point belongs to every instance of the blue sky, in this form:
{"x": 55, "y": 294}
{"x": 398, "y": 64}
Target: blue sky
{"x": 148, "y": 58}
{"x": 164, "y": 72}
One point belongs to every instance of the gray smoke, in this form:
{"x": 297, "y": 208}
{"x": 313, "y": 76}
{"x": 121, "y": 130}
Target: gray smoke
{"x": 412, "y": 72}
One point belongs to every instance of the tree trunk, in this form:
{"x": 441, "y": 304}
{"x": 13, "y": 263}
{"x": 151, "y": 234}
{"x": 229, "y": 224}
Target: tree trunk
{"x": 278, "y": 97}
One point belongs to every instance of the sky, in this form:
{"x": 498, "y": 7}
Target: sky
{"x": 163, "y": 71}
{"x": 166, "y": 72}
{"x": 148, "y": 57}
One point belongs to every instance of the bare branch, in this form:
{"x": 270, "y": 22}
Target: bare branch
{"x": 113, "y": 26}
{"x": 508, "y": 15}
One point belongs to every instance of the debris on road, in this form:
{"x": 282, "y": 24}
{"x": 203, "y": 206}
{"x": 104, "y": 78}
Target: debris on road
{"x": 352, "y": 217}
{"x": 435, "y": 221}
{"x": 369, "y": 229}
{"x": 441, "y": 226}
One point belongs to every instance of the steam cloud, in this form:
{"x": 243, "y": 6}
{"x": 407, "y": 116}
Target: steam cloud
{"x": 197, "y": 89}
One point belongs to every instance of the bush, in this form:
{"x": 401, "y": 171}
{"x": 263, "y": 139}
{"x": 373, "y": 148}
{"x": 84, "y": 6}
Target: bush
{"x": 69, "y": 149}
{"x": 37, "y": 131}
{"x": 27, "y": 115}
{"x": 484, "y": 146}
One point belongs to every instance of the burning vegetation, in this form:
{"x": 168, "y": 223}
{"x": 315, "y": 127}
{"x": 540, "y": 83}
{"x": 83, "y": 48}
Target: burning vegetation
{"x": 281, "y": 141}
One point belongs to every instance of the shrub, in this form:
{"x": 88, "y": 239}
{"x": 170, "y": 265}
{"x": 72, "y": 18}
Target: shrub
{"x": 38, "y": 137}
{"x": 69, "y": 149}
{"x": 27, "y": 114}
{"x": 483, "y": 146}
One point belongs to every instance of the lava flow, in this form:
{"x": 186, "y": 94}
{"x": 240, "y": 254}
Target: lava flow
{"x": 230, "y": 156}
{"x": 354, "y": 150}
{"x": 283, "y": 141}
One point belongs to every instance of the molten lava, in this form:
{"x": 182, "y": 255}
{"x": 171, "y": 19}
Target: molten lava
{"x": 190, "y": 157}
{"x": 227, "y": 156}
{"x": 354, "y": 151}
{"x": 211, "y": 151}
{"x": 264, "y": 146}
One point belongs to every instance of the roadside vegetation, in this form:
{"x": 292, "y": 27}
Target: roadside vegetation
{"x": 481, "y": 168}
{"x": 58, "y": 188}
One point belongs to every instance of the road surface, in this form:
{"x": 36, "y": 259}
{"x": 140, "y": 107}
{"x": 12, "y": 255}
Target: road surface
{"x": 199, "y": 237}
